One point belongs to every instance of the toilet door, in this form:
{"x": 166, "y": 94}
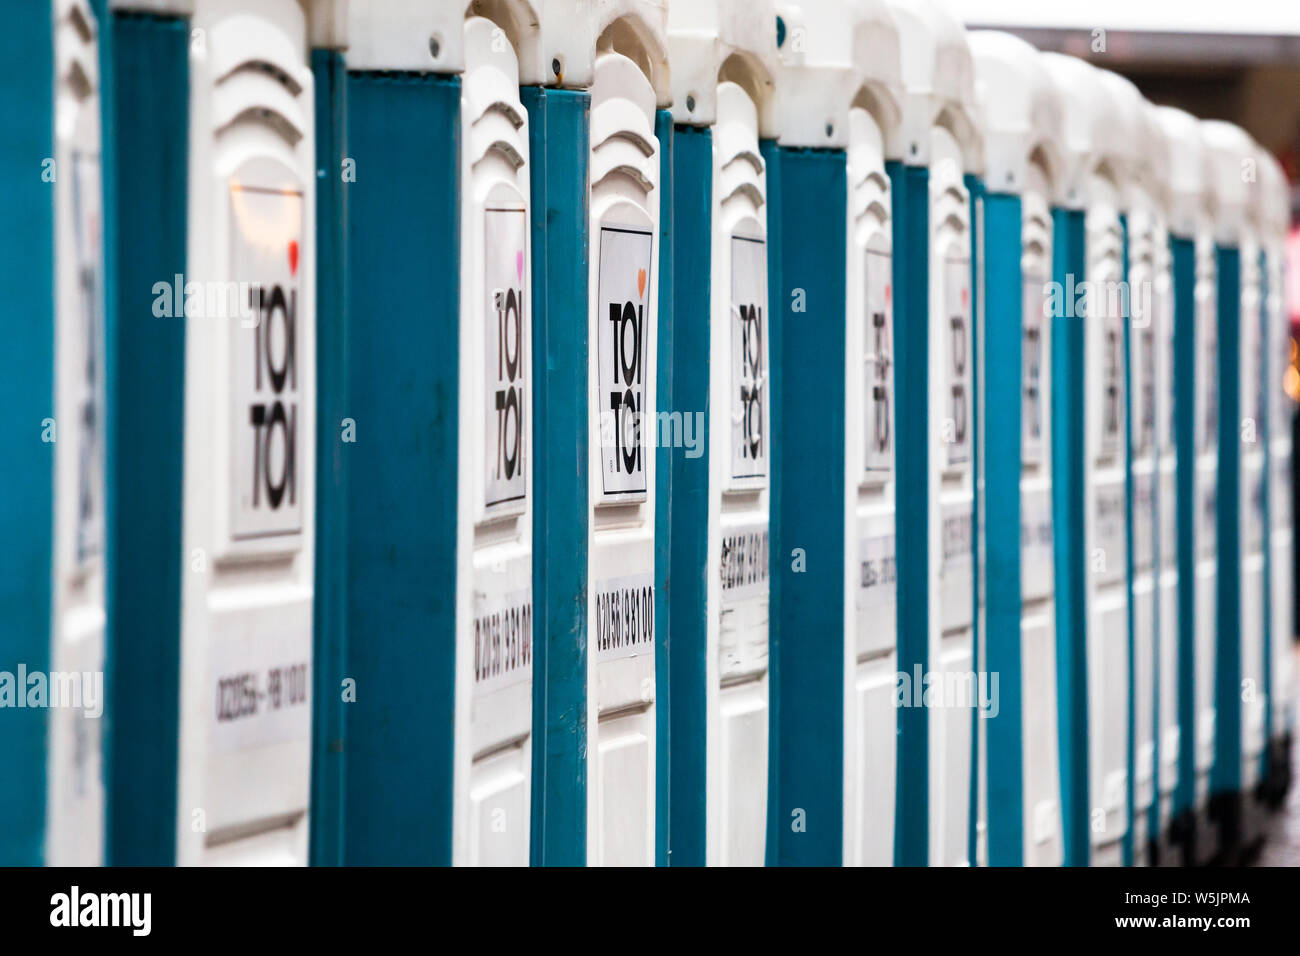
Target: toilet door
{"x": 1042, "y": 802}
{"x": 624, "y": 250}
{"x": 494, "y": 620}
{"x": 738, "y": 591}
{"x": 952, "y": 502}
{"x": 249, "y": 466}
{"x": 871, "y": 632}
{"x": 75, "y": 796}
{"x": 1105, "y": 503}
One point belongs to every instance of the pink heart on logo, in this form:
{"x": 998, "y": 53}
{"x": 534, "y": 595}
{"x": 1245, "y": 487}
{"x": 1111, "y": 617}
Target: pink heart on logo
{"x": 519, "y": 264}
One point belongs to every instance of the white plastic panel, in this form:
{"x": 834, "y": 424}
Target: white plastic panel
{"x": 494, "y": 653}
{"x": 1107, "y": 611}
{"x": 1254, "y": 702}
{"x": 623, "y": 798}
{"x": 1146, "y": 237}
{"x": 1037, "y": 533}
{"x": 623, "y": 331}
{"x": 738, "y": 621}
{"x": 1036, "y": 270}
{"x": 1207, "y": 399}
{"x": 1037, "y": 536}
{"x": 951, "y": 493}
{"x": 75, "y": 792}
{"x": 499, "y": 808}
{"x": 1167, "y": 731}
{"x": 951, "y": 760}
{"x": 1204, "y": 665}
{"x": 1043, "y": 834}
{"x": 1283, "y": 623}
{"x": 1281, "y": 536}
{"x": 1205, "y": 517}
{"x": 872, "y": 763}
{"x": 249, "y": 460}
{"x": 1144, "y": 676}
{"x": 1254, "y": 461}
{"x": 1108, "y": 717}
{"x": 1169, "y": 727}
{"x": 871, "y": 548}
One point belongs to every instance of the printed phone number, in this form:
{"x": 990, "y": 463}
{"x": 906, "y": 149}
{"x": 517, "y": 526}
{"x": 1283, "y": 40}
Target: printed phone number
{"x": 243, "y": 695}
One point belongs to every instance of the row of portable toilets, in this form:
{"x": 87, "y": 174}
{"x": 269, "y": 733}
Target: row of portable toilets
{"x": 629, "y": 433}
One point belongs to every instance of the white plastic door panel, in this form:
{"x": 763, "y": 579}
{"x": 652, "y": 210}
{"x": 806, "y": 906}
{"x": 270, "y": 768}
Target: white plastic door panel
{"x": 75, "y": 793}
{"x": 951, "y": 495}
{"x": 1205, "y": 518}
{"x": 494, "y": 687}
{"x": 871, "y": 576}
{"x": 1251, "y": 518}
{"x": 624, "y": 256}
{"x": 1145, "y": 238}
{"x": 1107, "y": 611}
{"x": 736, "y": 797}
{"x": 246, "y": 650}
{"x": 1042, "y": 807}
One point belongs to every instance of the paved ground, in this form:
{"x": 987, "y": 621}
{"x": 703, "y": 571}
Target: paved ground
{"x": 1282, "y": 844}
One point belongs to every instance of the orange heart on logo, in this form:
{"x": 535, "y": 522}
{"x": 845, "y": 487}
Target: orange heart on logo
{"x": 640, "y": 282}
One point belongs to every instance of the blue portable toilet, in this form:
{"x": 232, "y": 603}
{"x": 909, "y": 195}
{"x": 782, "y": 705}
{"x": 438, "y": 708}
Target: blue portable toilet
{"x": 53, "y": 490}
{"x": 426, "y": 538}
{"x": 492, "y": 751}
{"x": 833, "y": 478}
{"x": 619, "y": 56}
{"x": 724, "y": 106}
{"x": 1089, "y": 407}
{"x": 1023, "y": 140}
{"x": 1187, "y": 728}
{"x": 1232, "y": 172}
{"x": 210, "y": 514}
{"x": 544, "y": 664}
{"x": 1160, "y": 355}
{"x": 936, "y": 425}
{"x": 1253, "y": 519}
{"x": 1279, "y": 717}
{"x": 1144, "y": 242}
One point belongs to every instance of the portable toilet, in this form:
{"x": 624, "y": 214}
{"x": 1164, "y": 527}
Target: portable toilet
{"x": 1279, "y": 538}
{"x": 211, "y": 507}
{"x": 541, "y": 123}
{"x": 1144, "y": 239}
{"x": 1165, "y": 737}
{"x": 52, "y": 648}
{"x": 492, "y": 752}
{"x": 723, "y": 84}
{"x": 1023, "y": 167}
{"x": 834, "y": 428}
{"x": 1255, "y": 680}
{"x": 934, "y": 425}
{"x": 622, "y": 63}
{"x": 1089, "y": 408}
{"x": 1188, "y": 728}
{"x": 1230, "y": 158}
{"x": 430, "y": 541}
{"x": 1265, "y": 758}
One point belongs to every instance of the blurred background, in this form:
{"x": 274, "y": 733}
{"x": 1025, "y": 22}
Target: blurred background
{"x": 1237, "y": 61}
